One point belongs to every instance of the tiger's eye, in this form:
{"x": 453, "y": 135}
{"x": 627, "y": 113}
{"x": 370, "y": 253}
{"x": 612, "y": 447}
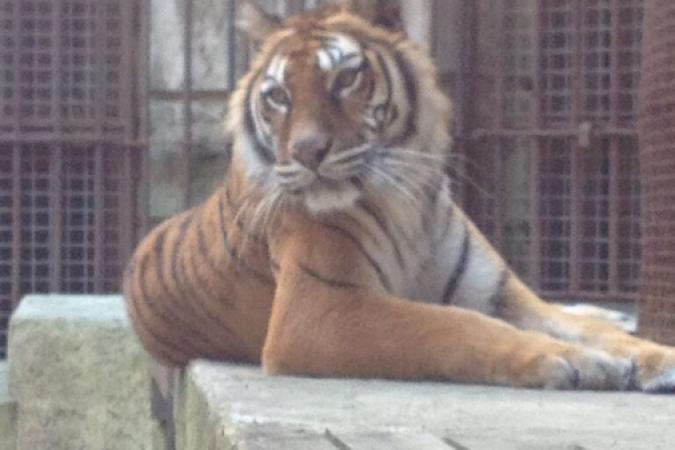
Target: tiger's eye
{"x": 278, "y": 96}
{"x": 346, "y": 79}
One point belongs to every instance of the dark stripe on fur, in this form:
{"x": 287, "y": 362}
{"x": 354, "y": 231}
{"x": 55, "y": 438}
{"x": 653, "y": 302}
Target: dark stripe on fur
{"x": 411, "y": 91}
{"x": 199, "y": 286}
{"x": 455, "y": 277}
{"x": 166, "y": 350}
{"x": 179, "y": 297}
{"x": 384, "y": 280}
{"x": 373, "y": 82}
{"x": 337, "y": 284}
{"x": 387, "y": 78}
{"x": 375, "y": 214}
{"x": 239, "y": 221}
{"x": 262, "y": 151}
{"x": 186, "y": 349}
{"x": 234, "y": 255}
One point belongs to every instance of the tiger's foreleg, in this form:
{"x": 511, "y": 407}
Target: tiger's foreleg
{"x": 334, "y": 323}
{"x": 655, "y": 364}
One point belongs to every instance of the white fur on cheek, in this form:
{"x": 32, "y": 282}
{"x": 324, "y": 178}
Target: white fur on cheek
{"x": 255, "y": 166}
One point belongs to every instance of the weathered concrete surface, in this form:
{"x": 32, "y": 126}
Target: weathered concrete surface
{"x": 223, "y": 406}
{"x": 79, "y": 375}
{"x": 7, "y": 412}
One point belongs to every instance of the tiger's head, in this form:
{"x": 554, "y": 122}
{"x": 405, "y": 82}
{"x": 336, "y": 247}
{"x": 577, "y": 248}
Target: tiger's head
{"x": 338, "y": 103}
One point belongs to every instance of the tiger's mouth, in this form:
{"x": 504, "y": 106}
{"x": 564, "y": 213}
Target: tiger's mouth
{"x": 336, "y": 184}
{"x": 343, "y": 167}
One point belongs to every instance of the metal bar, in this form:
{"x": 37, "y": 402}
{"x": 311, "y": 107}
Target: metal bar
{"x": 141, "y": 75}
{"x": 549, "y": 132}
{"x": 16, "y": 223}
{"x": 56, "y": 165}
{"x": 187, "y": 101}
{"x": 614, "y": 88}
{"x": 126, "y": 68}
{"x": 614, "y": 199}
{"x": 537, "y": 88}
{"x": 535, "y": 220}
{"x": 56, "y": 218}
{"x": 614, "y": 157}
{"x": 214, "y": 95}
{"x": 499, "y": 82}
{"x": 138, "y": 225}
{"x": 577, "y": 63}
{"x": 467, "y": 67}
{"x": 90, "y": 139}
{"x": 126, "y": 208}
{"x": 16, "y": 167}
{"x": 99, "y": 148}
{"x": 498, "y": 235}
{"x": 465, "y": 86}
{"x": 618, "y": 296}
{"x": 575, "y": 212}
{"x": 536, "y": 237}
{"x": 99, "y": 225}
{"x": 231, "y": 46}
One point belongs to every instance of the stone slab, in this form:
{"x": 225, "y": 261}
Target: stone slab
{"x": 7, "y": 412}
{"x": 237, "y": 405}
{"x": 79, "y": 375}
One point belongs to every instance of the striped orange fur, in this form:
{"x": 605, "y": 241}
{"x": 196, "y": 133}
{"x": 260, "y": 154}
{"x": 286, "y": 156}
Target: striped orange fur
{"x": 334, "y": 247}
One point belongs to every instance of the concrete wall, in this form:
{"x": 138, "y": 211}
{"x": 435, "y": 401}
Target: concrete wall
{"x": 7, "y": 412}
{"x": 79, "y": 376}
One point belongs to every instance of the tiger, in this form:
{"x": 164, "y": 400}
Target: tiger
{"x": 334, "y": 248}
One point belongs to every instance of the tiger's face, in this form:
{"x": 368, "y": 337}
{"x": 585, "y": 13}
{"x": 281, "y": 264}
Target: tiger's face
{"x": 331, "y": 110}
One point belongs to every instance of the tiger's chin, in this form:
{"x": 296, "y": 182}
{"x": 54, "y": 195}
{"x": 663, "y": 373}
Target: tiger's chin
{"x": 321, "y": 199}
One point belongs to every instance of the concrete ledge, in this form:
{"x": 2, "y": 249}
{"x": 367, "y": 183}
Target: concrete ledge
{"x": 224, "y": 407}
{"x": 7, "y": 412}
{"x": 79, "y": 375}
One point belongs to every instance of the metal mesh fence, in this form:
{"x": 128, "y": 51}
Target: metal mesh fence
{"x": 70, "y": 159}
{"x": 657, "y": 155}
{"x": 557, "y": 161}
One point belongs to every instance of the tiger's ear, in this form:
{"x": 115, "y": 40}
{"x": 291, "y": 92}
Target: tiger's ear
{"x": 255, "y": 23}
{"x": 383, "y": 13}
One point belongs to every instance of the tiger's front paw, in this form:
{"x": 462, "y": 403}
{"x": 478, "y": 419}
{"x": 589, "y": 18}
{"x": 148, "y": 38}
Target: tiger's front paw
{"x": 583, "y": 368}
{"x": 656, "y": 371}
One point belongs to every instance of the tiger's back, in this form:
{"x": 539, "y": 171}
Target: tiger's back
{"x": 193, "y": 291}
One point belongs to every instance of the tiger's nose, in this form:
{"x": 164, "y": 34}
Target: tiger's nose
{"x": 311, "y": 151}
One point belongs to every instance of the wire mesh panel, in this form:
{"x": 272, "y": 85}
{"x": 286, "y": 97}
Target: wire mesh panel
{"x": 557, "y": 56}
{"x": 657, "y": 155}
{"x": 66, "y": 65}
{"x": 70, "y": 155}
{"x": 559, "y": 157}
{"x": 7, "y": 182}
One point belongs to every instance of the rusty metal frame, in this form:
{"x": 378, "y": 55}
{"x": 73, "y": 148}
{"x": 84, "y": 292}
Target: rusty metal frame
{"x": 73, "y": 134}
{"x": 657, "y": 120}
{"x": 586, "y": 131}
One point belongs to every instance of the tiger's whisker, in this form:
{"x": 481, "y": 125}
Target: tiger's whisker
{"x": 397, "y": 187}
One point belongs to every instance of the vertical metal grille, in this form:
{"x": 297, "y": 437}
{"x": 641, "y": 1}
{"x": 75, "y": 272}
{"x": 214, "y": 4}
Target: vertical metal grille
{"x": 558, "y": 159}
{"x": 657, "y": 155}
{"x": 70, "y": 158}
